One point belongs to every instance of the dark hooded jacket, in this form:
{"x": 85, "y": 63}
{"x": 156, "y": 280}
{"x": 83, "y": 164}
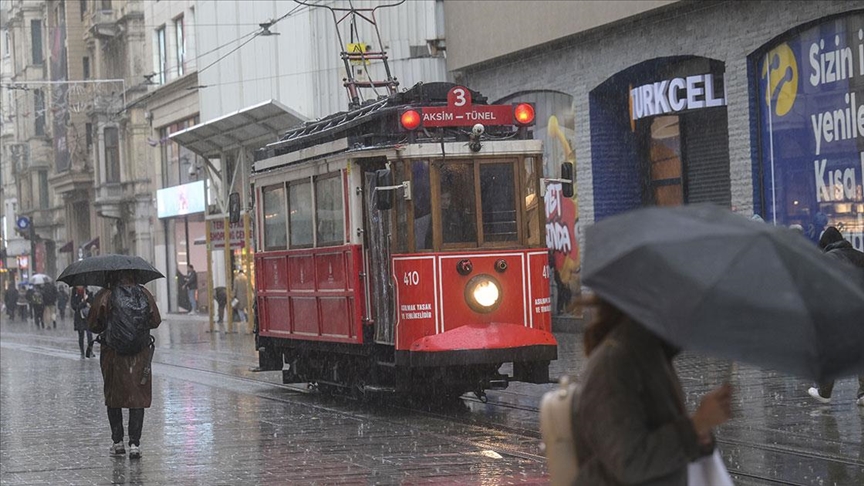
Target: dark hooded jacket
{"x": 122, "y": 374}
{"x": 842, "y": 250}
{"x": 630, "y": 424}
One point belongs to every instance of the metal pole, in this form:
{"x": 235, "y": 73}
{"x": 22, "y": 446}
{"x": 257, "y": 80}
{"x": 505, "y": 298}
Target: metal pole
{"x": 229, "y": 273}
{"x": 209, "y": 272}
{"x": 247, "y": 246}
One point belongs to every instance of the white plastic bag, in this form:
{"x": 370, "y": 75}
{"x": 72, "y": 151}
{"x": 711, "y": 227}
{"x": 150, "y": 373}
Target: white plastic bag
{"x": 234, "y": 302}
{"x": 709, "y": 471}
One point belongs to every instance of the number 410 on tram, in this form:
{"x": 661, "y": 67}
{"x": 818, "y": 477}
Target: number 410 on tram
{"x": 402, "y": 247}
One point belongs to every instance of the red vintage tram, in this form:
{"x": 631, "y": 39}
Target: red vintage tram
{"x": 402, "y": 247}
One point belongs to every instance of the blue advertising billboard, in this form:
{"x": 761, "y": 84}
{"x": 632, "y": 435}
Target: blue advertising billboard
{"x": 811, "y": 128}
{"x": 181, "y": 200}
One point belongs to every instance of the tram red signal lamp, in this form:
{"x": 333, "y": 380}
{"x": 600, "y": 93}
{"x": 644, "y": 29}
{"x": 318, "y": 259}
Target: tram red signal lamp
{"x": 410, "y": 120}
{"x": 523, "y": 113}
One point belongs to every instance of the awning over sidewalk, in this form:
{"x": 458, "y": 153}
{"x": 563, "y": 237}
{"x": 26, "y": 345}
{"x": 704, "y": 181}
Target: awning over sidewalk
{"x": 251, "y": 127}
{"x": 91, "y": 243}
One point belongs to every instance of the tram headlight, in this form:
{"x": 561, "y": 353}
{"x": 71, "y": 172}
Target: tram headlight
{"x": 483, "y": 293}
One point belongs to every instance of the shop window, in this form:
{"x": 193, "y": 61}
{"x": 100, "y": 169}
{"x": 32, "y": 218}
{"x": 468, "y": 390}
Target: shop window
{"x": 421, "y": 198}
{"x": 300, "y": 214}
{"x": 329, "y": 215}
{"x": 457, "y": 203}
{"x": 810, "y": 164}
{"x": 275, "y": 219}
{"x": 112, "y": 155}
{"x": 498, "y": 202}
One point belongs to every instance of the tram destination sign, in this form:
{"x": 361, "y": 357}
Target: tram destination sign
{"x": 460, "y": 112}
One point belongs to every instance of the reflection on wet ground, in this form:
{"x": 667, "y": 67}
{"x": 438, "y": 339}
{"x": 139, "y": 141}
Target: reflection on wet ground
{"x": 216, "y": 422}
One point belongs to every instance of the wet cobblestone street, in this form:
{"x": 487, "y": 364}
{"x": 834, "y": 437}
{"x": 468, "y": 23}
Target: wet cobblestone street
{"x": 213, "y": 421}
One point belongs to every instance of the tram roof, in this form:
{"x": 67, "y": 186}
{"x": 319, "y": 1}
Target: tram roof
{"x": 251, "y": 127}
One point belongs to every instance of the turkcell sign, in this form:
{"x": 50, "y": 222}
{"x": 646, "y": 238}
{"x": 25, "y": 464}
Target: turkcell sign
{"x": 460, "y": 112}
{"x": 674, "y": 95}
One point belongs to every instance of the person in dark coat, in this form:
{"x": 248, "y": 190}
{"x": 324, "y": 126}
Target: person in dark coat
{"x": 221, "y": 299}
{"x": 37, "y": 308}
{"x": 49, "y": 301}
{"x": 80, "y": 306}
{"x": 630, "y": 424}
{"x": 127, "y": 382}
{"x": 835, "y": 246}
{"x": 10, "y": 298}
{"x": 191, "y": 285}
{"x": 62, "y": 300}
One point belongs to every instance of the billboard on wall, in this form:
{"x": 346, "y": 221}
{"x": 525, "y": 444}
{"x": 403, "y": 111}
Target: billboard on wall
{"x": 811, "y": 128}
{"x": 181, "y": 200}
{"x": 556, "y": 126}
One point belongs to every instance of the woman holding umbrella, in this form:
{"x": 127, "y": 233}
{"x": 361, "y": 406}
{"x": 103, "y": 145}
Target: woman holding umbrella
{"x": 630, "y": 423}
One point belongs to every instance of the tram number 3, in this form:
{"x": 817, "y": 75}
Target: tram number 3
{"x": 411, "y": 278}
{"x": 459, "y": 94}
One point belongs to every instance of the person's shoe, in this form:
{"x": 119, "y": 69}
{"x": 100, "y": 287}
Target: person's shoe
{"x": 134, "y": 452}
{"x": 860, "y": 401}
{"x": 814, "y": 392}
{"x": 117, "y": 449}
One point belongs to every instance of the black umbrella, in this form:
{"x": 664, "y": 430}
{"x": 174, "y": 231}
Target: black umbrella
{"x": 709, "y": 280}
{"x": 98, "y": 270}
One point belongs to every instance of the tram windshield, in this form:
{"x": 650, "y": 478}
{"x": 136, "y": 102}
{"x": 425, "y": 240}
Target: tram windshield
{"x": 466, "y": 203}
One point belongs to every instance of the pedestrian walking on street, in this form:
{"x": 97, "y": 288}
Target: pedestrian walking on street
{"x": 630, "y": 424}
{"x": 241, "y": 294}
{"x": 835, "y": 246}
{"x": 80, "y": 307}
{"x": 10, "y": 298}
{"x": 49, "y": 300}
{"x": 192, "y": 288}
{"x": 62, "y": 300}
{"x": 221, "y": 298}
{"x": 124, "y": 313}
{"x": 23, "y": 303}
{"x": 37, "y": 307}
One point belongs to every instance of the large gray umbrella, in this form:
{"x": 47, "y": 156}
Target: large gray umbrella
{"x": 709, "y": 280}
{"x": 100, "y": 269}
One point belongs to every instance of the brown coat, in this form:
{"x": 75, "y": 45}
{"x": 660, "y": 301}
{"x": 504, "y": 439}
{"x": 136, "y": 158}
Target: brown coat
{"x": 122, "y": 374}
{"x": 630, "y": 424}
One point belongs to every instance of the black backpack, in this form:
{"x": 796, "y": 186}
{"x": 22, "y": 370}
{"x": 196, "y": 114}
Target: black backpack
{"x": 128, "y": 328}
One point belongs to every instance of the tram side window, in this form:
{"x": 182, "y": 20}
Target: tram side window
{"x": 275, "y": 229}
{"x": 421, "y": 198}
{"x": 532, "y": 201}
{"x": 399, "y": 238}
{"x": 458, "y": 218}
{"x": 300, "y": 213}
{"x": 329, "y": 215}
{"x": 498, "y": 202}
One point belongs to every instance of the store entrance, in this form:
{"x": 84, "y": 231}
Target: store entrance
{"x": 659, "y": 136}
